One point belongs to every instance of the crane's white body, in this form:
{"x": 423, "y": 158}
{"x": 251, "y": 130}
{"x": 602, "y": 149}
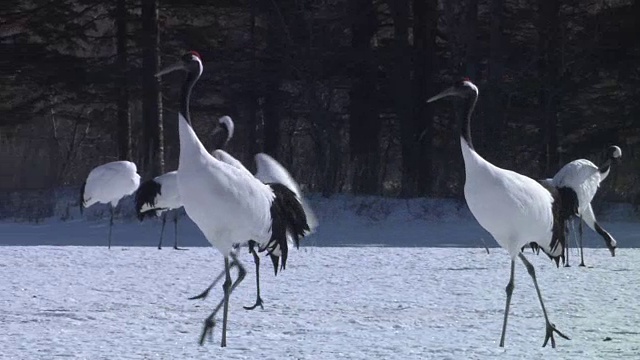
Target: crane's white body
{"x": 269, "y": 170}
{"x": 229, "y": 205}
{"x": 110, "y": 182}
{"x": 513, "y": 208}
{"x": 583, "y": 177}
{"x": 169, "y": 197}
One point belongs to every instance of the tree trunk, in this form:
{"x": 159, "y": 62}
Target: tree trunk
{"x": 471, "y": 57}
{"x": 401, "y": 88}
{"x": 273, "y": 66}
{"x": 364, "y": 120}
{"x": 495, "y": 115}
{"x": 151, "y": 96}
{"x": 124, "y": 118}
{"x": 425, "y": 15}
{"x": 252, "y": 98}
{"x": 549, "y": 66}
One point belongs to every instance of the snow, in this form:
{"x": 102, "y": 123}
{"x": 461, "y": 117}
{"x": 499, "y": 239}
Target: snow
{"x": 330, "y": 303}
{"x": 380, "y": 279}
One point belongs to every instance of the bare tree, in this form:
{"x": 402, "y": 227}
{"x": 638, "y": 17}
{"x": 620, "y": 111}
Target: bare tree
{"x": 124, "y": 117}
{"x": 151, "y": 96}
{"x": 364, "y": 119}
{"x": 549, "y": 66}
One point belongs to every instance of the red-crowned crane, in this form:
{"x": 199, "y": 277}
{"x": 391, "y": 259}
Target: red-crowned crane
{"x": 228, "y": 205}
{"x": 159, "y": 195}
{"x": 515, "y": 209}
{"x": 582, "y": 178}
{"x": 107, "y": 184}
{"x": 269, "y": 171}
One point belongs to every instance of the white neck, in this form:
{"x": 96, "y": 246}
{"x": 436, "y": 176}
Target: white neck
{"x": 191, "y": 149}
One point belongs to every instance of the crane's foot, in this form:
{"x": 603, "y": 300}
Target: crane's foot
{"x": 550, "y": 330}
{"x": 203, "y": 295}
{"x": 258, "y": 303}
{"x": 582, "y": 264}
{"x": 567, "y": 265}
{"x": 159, "y": 247}
{"x": 177, "y": 248}
{"x": 209, "y": 324}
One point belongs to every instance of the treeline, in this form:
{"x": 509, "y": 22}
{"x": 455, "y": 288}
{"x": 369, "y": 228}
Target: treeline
{"x": 335, "y": 90}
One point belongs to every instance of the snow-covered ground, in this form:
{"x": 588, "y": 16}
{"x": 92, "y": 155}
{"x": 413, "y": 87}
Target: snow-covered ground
{"x": 381, "y": 279}
{"x": 330, "y": 303}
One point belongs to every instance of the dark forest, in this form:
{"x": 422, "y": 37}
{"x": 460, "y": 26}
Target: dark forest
{"x": 335, "y": 90}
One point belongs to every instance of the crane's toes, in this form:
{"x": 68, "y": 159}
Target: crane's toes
{"x": 203, "y": 295}
{"x": 582, "y": 265}
{"x": 549, "y": 335}
{"x": 258, "y": 303}
{"x": 177, "y": 248}
{"x": 207, "y": 330}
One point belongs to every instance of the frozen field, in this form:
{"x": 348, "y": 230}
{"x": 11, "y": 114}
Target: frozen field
{"x": 330, "y": 303}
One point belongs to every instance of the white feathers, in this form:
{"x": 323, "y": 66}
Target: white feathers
{"x": 583, "y": 177}
{"x": 513, "y": 208}
{"x": 229, "y": 205}
{"x": 111, "y": 182}
{"x": 268, "y": 170}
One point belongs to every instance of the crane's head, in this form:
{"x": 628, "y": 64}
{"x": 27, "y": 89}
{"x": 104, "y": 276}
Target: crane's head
{"x": 190, "y": 62}
{"x": 614, "y": 153}
{"x": 225, "y": 125}
{"x": 462, "y": 88}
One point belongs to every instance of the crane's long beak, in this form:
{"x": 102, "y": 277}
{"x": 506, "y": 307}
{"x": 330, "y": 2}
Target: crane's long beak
{"x": 171, "y": 68}
{"x": 447, "y": 92}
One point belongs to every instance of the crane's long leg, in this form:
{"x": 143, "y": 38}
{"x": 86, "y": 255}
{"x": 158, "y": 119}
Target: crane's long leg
{"x": 580, "y": 241}
{"x": 110, "y": 227}
{"x": 228, "y": 288}
{"x": 567, "y": 234}
{"x": 164, "y": 221}
{"x": 590, "y": 219}
{"x": 175, "y": 232}
{"x": 509, "y": 291}
{"x": 550, "y": 327}
{"x": 256, "y": 260}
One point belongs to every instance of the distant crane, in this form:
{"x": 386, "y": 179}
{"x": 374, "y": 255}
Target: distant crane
{"x": 109, "y": 183}
{"x": 160, "y": 194}
{"x": 228, "y": 205}
{"x": 515, "y": 209}
{"x": 269, "y": 171}
{"x": 582, "y": 178}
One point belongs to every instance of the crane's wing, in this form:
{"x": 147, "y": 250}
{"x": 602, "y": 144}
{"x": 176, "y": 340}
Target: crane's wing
{"x": 582, "y": 176}
{"x": 271, "y": 171}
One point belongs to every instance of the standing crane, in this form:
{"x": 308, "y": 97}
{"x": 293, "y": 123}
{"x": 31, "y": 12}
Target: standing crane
{"x": 107, "y": 184}
{"x": 159, "y": 195}
{"x": 515, "y": 209}
{"x": 583, "y": 178}
{"x": 269, "y": 170}
{"x": 228, "y": 205}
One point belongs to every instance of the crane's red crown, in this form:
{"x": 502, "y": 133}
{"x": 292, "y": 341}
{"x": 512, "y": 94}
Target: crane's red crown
{"x": 195, "y": 53}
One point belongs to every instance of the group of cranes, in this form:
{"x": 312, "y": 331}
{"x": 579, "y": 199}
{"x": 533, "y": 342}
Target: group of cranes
{"x": 266, "y": 211}
{"x": 231, "y": 206}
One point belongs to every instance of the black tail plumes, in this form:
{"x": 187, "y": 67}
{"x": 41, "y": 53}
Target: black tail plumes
{"x": 565, "y": 205}
{"x": 288, "y": 219}
{"x": 81, "y": 203}
{"x": 146, "y": 194}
